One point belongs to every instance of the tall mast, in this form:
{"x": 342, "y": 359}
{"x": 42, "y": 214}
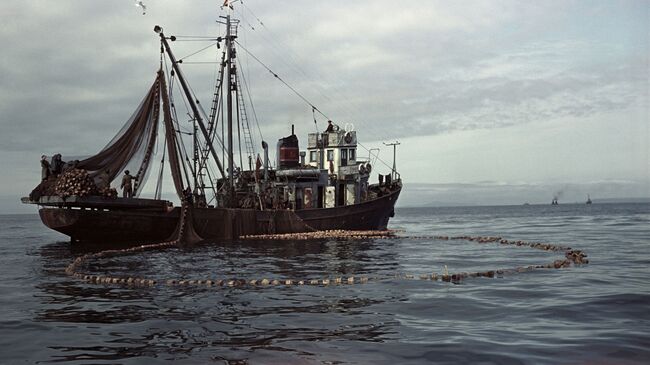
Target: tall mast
{"x": 229, "y": 77}
{"x": 195, "y": 155}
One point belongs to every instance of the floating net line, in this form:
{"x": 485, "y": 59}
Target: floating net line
{"x": 570, "y": 258}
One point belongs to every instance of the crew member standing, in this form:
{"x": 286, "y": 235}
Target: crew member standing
{"x": 292, "y": 199}
{"x": 56, "y": 166}
{"x": 127, "y": 185}
{"x": 45, "y": 168}
{"x": 330, "y": 127}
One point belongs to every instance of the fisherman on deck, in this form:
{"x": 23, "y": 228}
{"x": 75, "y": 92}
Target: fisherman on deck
{"x": 127, "y": 186}
{"x": 291, "y": 198}
{"x": 57, "y": 165}
{"x": 330, "y": 127}
{"x": 45, "y": 168}
{"x": 268, "y": 198}
{"x": 201, "y": 202}
{"x": 188, "y": 196}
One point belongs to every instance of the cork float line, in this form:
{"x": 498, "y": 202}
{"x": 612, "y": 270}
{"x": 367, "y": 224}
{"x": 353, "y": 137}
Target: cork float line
{"x": 571, "y": 258}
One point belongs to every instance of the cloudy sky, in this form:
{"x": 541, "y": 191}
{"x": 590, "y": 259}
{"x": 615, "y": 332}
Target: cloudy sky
{"x": 485, "y": 96}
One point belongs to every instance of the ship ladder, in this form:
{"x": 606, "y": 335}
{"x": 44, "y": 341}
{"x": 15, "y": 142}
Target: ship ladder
{"x": 248, "y": 136}
{"x": 215, "y": 97}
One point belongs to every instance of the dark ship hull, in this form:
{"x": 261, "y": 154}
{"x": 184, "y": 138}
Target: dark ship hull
{"x": 152, "y": 222}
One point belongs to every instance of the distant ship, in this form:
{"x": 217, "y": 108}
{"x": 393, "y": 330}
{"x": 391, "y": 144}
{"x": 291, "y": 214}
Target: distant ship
{"x": 554, "y": 202}
{"x": 588, "y": 199}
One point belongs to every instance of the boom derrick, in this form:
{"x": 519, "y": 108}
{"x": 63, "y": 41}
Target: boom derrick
{"x": 191, "y": 101}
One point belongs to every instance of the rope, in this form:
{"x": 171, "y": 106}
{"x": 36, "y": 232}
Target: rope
{"x": 314, "y": 108}
{"x": 197, "y": 52}
{"x": 571, "y": 257}
{"x": 282, "y": 81}
{"x": 250, "y": 99}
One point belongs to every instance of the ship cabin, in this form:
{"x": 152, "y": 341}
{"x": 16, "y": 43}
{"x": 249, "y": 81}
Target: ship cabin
{"x": 328, "y": 174}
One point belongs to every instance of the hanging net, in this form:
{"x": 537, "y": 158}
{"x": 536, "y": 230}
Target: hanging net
{"x": 133, "y": 146}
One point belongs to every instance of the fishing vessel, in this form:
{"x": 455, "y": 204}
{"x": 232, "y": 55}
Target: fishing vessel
{"x": 226, "y": 184}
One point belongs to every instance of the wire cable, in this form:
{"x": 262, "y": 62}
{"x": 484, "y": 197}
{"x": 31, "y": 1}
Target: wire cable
{"x": 284, "y": 82}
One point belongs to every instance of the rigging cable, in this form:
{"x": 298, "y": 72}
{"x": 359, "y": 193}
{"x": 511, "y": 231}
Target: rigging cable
{"x": 239, "y": 121}
{"x": 182, "y": 152}
{"x": 296, "y": 66}
{"x": 212, "y": 118}
{"x": 202, "y": 111}
{"x": 200, "y": 108}
{"x": 242, "y": 70}
{"x": 274, "y": 41}
{"x": 207, "y": 139}
{"x": 159, "y": 182}
{"x": 313, "y": 114}
{"x": 314, "y": 108}
{"x": 197, "y": 52}
{"x": 291, "y": 61}
{"x": 284, "y": 82}
{"x": 250, "y": 99}
{"x": 204, "y": 38}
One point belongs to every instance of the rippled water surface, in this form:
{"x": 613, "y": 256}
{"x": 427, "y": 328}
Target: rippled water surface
{"x": 595, "y": 313}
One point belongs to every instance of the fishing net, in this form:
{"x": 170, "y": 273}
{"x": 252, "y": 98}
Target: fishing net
{"x": 132, "y": 147}
{"x": 185, "y": 232}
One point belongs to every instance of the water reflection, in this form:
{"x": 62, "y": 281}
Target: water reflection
{"x": 577, "y": 315}
{"x": 227, "y": 324}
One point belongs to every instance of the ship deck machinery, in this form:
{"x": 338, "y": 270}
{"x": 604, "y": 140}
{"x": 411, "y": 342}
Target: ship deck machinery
{"x": 298, "y": 196}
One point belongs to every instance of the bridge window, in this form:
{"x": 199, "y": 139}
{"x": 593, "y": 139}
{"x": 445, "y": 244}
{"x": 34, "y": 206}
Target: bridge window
{"x": 330, "y": 155}
{"x": 351, "y": 154}
{"x": 313, "y": 156}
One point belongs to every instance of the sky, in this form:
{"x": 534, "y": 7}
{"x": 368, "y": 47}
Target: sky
{"x": 493, "y": 102}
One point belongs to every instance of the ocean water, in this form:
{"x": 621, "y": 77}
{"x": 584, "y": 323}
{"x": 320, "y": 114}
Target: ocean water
{"x": 591, "y": 314}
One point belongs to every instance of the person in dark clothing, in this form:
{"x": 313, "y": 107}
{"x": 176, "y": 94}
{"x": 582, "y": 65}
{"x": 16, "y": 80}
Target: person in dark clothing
{"x": 45, "y": 168}
{"x": 188, "y": 197}
{"x": 330, "y": 127}
{"x": 127, "y": 185}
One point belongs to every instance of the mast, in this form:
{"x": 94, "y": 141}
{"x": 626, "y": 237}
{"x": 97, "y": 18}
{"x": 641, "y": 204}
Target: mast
{"x": 229, "y": 76}
{"x": 195, "y": 154}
